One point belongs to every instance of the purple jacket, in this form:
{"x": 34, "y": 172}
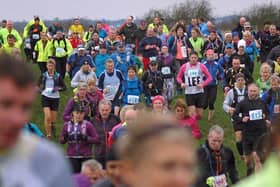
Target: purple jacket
{"x": 79, "y": 147}
{"x": 103, "y": 129}
{"x": 67, "y": 113}
{"x": 94, "y": 99}
{"x": 81, "y": 180}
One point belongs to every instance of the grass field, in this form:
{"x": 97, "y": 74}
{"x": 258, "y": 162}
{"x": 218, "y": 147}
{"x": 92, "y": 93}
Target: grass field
{"x": 220, "y": 118}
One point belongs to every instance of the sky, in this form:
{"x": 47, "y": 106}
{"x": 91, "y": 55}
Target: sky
{"x": 106, "y": 9}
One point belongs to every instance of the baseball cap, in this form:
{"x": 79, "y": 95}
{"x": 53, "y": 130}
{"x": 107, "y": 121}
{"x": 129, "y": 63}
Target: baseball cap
{"x": 229, "y": 46}
{"x": 153, "y": 62}
{"x": 241, "y": 43}
{"x": 80, "y": 47}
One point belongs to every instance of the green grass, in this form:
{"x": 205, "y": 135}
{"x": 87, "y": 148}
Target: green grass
{"x": 220, "y": 118}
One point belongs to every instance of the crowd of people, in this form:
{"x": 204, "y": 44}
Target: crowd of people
{"x": 124, "y": 124}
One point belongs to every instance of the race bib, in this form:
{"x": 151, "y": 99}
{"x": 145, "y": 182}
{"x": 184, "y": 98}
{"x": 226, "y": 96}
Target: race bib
{"x": 220, "y": 181}
{"x": 166, "y": 70}
{"x": 255, "y": 114}
{"x": 59, "y": 51}
{"x": 276, "y": 109}
{"x": 49, "y": 90}
{"x": 35, "y": 36}
{"x": 112, "y": 90}
{"x": 193, "y": 73}
{"x": 184, "y": 52}
{"x": 132, "y": 99}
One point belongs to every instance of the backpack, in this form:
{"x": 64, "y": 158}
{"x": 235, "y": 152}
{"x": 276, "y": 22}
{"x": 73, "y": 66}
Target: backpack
{"x": 33, "y": 129}
{"x": 64, "y": 41}
{"x": 235, "y": 96}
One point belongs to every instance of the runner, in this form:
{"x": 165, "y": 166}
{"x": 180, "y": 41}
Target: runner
{"x": 103, "y": 123}
{"x": 50, "y": 83}
{"x": 255, "y": 117}
{"x": 211, "y": 90}
{"x": 166, "y": 66}
{"x": 132, "y": 88}
{"x": 21, "y": 154}
{"x": 216, "y": 161}
{"x": 152, "y": 82}
{"x": 163, "y": 143}
{"x": 149, "y": 47}
{"x": 80, "y": 135}
{"x": 192, "y": 73}
{"x": 42, "y": 48}
{"x": 110, "y": 82}
{"x": 60, "y": 50}
{"x": 77, "y": 60}
{"x": 185, "y": 120}
{"x": 263, "y": 82}
{"x": 233, "y": 97}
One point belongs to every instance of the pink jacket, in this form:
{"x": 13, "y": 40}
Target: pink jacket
{"x": 191, "y": 122}
{"x": 204, "y": 70}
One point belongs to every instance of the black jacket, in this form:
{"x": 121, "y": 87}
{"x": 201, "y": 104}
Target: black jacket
{"x": 251, "y": 127}
{"x": 227, "y": 161}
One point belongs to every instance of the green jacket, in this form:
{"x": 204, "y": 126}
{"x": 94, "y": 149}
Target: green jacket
{"x": 197, "y": 46}
{"x": 267, "y": 177}
{"x": 5, "y": 32}
{"x": 43, "y": 53}
{"x": 164, "y": 29}
{"x": 28, "y": 25}
{"x": 58, "y": 48}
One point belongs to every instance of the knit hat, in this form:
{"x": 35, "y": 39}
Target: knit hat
{"x": 241, "y": 43}
{"x": 158, "y": 97}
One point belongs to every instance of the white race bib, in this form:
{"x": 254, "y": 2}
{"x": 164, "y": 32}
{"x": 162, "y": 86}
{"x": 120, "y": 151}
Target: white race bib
{"x": 184, "y": 52}
{"x": 193, "y": 73}
{"x": 255, "y": 114}
{"x": 220, "y": 181}
{"x": 60, "y": 51}
{"x": 133, "y": 99}
{"x": 112, "y": 91}
{"x": 35, "y": 36}
{"x": 49, "y": 90}
{"x": 276, "y": 109}
{"x": 166, "y": 70}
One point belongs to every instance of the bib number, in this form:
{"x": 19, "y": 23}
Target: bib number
{"x": 132, "y": 99}
{"x": 49, "y": 90}
{"x": 112, "y": 90}
{"x": 184, "y": 52}
{"x": 255, "y": 115}
{"x": 193, "y": 73}
{"x": 220, "y": 181}
{"x": 35, "y": 36}
{"x": 166, "y": 70}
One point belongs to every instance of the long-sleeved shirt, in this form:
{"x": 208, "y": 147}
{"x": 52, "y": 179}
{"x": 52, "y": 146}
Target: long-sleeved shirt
{"x": 203, "y": 70}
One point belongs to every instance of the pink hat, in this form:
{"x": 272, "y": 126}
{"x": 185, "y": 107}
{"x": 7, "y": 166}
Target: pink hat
{"x": 158, "y": 97}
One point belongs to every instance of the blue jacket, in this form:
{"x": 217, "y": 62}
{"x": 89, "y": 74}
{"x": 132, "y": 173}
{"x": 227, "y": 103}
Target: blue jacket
{"x": 123, "y": 61}
{"x": 131, "y": 88}
{"x": 76, "y": 62}
{"x": 100, "y": 60}
{"x": 172, "y": 44}
{"x": 102, "y": 33}
{"x": 270, "y": 98}
{"x": 215, "y": 70}
{"x": 251, "y": 50}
